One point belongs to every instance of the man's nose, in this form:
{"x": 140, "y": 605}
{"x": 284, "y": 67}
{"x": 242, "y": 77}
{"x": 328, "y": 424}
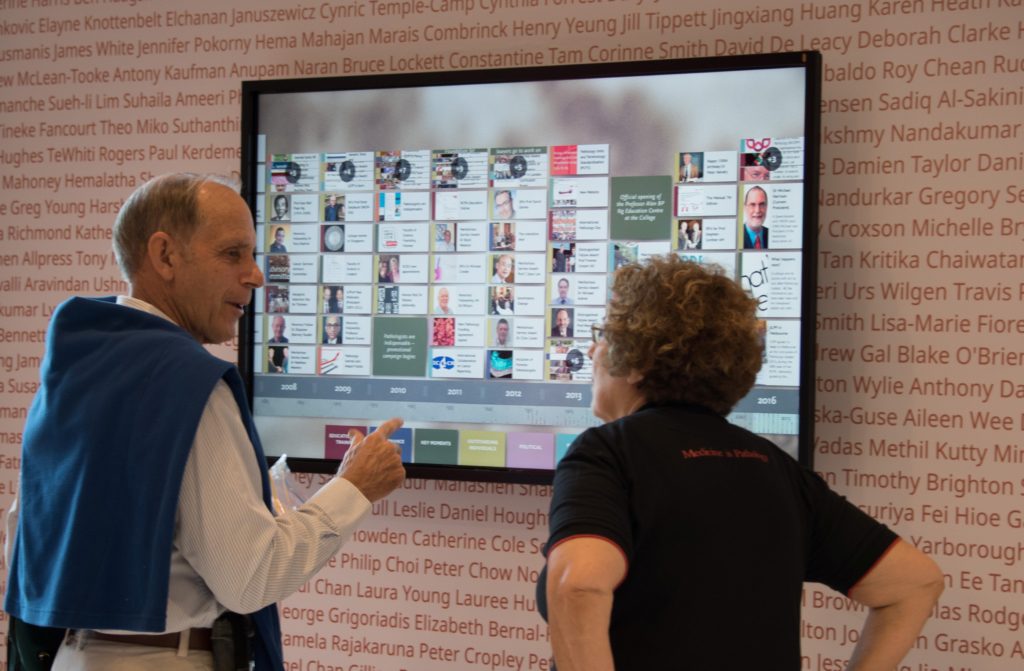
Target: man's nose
{"x": 254, "y": 278}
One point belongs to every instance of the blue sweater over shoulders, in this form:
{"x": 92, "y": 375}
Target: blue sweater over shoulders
{"x": 103, "y": 453}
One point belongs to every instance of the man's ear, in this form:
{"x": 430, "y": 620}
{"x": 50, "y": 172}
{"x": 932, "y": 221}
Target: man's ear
{"x": 163, "y": 255}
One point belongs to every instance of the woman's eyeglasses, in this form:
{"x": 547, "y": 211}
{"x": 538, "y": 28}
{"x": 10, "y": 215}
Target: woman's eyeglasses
{"x": 597, "y": 332}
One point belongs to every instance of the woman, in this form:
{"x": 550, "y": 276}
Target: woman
{"x": 681, "y": 541}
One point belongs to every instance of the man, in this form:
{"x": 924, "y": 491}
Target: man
{"x": 563, "y": 292}
{"x": 504, "y": 208}
{"x": 332, "y": 211}
{"x": 501, "y": 338}
{"x": 688, "y": 172}
{"x": 277, "y": 328}
{"x": 332, "y": 331}
{"x": 563, "y": 324}
{"x": 277, "y": 359}
{"x": 502, "y": 269}
{"x": 558, "y": 260}
{"x": 755, "y": 173}
{"x": 128, "y": 389}
{"x": 503, "y": 237}
{"x": 446, "y": 244}
{"x": 278, "y": 246}
{"x": 502, "y": 301}
{"x": 334, "y": 299}
{"x": 280, "y": 208}
{"x": 442, "y": 301}
{"x": 755, "y": 209}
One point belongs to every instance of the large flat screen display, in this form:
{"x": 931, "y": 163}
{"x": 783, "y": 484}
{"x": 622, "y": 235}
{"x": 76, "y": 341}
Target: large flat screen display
{"x": 437, "y": 246}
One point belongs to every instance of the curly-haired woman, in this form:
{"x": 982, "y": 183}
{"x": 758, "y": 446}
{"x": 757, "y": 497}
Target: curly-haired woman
{"x": 679, "y": 540}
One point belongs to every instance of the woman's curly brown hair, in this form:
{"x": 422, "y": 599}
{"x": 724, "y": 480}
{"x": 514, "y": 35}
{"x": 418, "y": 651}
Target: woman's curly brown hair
{"x": 691, "y": 332}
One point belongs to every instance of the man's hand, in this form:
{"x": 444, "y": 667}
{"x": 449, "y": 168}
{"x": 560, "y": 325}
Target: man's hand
{"x": 374, "y": 464}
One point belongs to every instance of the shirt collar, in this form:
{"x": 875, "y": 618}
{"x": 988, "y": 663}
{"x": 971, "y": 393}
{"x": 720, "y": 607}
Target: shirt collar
{"x": 139, "y": 304}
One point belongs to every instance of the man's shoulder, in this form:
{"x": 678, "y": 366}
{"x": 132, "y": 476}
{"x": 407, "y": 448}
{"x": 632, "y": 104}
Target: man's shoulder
{"x": 101, "y": 327}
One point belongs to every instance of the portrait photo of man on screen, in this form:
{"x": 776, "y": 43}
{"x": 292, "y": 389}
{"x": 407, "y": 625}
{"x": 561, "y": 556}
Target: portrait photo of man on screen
{"x": 282, "y": 208}
{"x": 504, "y": 204}
{"x": 277, "y": 330}
{"x": 277, "y": 359}
{"x": 443, "y": 298}
{"x": 504, "y": 269}
{"x": 502, "y": 333}
{"x": 562, "y": 296}
{"x": 331, "y": 334}
{"x": 561, "y": 323}
{"x": 277, "y": 241}
{"x": 444, "y": 240}
{"x": 334, "y": 210}
{"x": 755, "y": 211}
{"x": 690, "y": 167}
{"x": 334, "y": 299}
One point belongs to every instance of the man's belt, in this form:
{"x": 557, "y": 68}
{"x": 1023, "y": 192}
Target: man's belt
{"x": 198, "y": 639}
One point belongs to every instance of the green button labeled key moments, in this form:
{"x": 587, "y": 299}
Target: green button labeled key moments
{"x": 436, "y": 446}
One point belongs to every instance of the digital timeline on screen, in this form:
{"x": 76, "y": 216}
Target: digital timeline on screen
{"x": 441, "y": 253}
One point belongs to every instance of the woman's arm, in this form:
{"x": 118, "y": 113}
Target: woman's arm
{"x": 900, "y": 591}
{"x": 583, "y": 572}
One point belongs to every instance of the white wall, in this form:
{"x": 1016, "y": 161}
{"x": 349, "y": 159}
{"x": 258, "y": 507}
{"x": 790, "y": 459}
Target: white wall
{"x": 922, "y": 242}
